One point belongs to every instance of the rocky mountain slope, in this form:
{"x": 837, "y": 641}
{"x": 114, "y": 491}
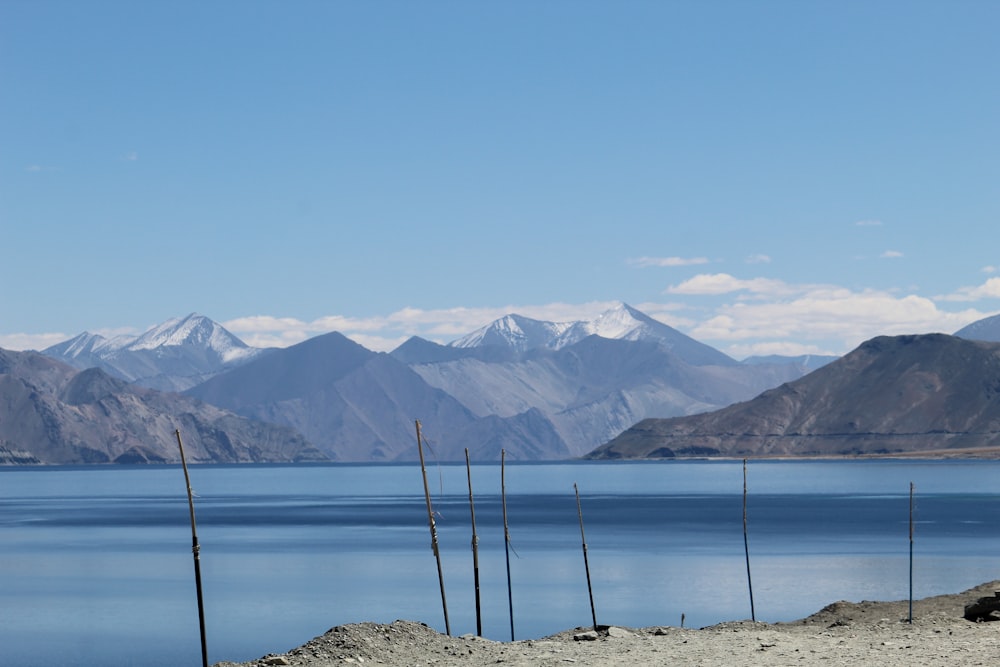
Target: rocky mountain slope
{"x": 591, "y": 390}
{"x": 53, "y": 413}
{"x": 358, "y": 405}
{"x": 985, "y": 329}
{"x": 891, "y": 395}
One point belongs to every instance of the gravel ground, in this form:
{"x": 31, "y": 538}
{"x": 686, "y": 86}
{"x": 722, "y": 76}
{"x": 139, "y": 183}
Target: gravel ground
{"x": 843, "y": 633}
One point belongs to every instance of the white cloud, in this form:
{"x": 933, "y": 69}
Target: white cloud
{"x": 131, "y": 156}
{"x": 988, "y": 290}
{"x": 784, "y": 348}
{"x": 24, "y": 341}
{"x": 723, "y": 283}
{"x": 828, "y": 320}
{"x": 989, "y": 269}
{"x": 667, "y": 261}
{"x": 272, "y": 339}
{"x": 758, "y": 259}
{"x": 868, "y": 223}
{"x": 891, "y": 254}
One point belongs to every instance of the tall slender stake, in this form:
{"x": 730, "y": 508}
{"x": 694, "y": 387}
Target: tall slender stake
{"x": 475, "y": 546}
{"x": 434, "y": 535}
{"x": 506, "y": 540}
{"x": 586, "y": 563}
{"x": 195, "y": 549}
{"x": 911, "y": 553}
{"x": 746, "y": 543}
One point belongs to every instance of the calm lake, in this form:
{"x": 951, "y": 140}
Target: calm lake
{"x": 96, "y": 564}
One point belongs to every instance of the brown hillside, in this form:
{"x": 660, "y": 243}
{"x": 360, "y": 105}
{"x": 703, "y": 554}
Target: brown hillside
{"x": 891, "y": 396}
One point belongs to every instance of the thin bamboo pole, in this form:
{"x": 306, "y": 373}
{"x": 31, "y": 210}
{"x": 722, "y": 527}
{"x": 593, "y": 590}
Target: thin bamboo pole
{"x": 475, "y": 546}
{"x": 911, "y": 554}
{"x": 433, "y": 527}
{"x": 586, "y": 562}
{"x": 746, "y": 543}
{"x": 506, "y": 539}
{"x": 195, "y": 549}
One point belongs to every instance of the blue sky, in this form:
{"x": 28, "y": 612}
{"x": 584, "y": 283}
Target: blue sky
{"x": 768, "y": 177}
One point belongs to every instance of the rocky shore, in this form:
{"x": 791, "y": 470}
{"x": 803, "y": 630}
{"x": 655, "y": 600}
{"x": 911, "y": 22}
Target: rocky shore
{"x": 842, "y": 633}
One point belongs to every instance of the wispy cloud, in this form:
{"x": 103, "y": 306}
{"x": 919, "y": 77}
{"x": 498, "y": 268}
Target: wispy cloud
{"x": 131, "y": 156}
{"x": 989, "y": 269}
{"x": 667, "y": 261}
{"x": 758, "y": 259}
{"x": 868, "y": 223}
{"x": 891, "y": 254}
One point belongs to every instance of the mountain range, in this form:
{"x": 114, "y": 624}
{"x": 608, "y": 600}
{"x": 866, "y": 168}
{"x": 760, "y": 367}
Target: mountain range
{"x": 522, "y": 334}
{"x": 536, "y": 389}
{"x": 930, "y": 393}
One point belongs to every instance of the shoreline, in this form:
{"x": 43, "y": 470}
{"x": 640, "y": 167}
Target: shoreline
{"x": 841, "y": 633}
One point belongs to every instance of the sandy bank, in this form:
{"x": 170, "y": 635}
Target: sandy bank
{"x": 843, "y": 633}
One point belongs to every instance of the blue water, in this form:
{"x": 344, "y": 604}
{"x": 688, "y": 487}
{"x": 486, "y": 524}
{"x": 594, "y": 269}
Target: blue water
{"x": 96, "y": 564}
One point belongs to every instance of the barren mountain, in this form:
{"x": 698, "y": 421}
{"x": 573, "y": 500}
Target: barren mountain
{"x": 892, "y": 395}
{"x": 359, "y": 405}
{"x": 591, "y": 390}
{"x": 987, "y": 329}
{"x": 52, "y": 413}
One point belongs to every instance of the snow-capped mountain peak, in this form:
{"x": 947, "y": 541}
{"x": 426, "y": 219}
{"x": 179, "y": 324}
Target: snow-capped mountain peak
{"x": 621, "y": 322}
{"x": 193, "y": 330}
{"x": 514, "y": 331}
{"x": 173, "y": 355}
{"x": 87, "y": 344}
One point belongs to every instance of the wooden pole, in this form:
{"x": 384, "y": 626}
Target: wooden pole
{"x": 506, "y": 540}
{"x": 195, "y": 549}
{"x": 911, "y": 554}
{"x": 434, "y": 537}
{"x": 746, "y": 543}
{"x": 475, "y": 546}
{"x": 586, "y": 562}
